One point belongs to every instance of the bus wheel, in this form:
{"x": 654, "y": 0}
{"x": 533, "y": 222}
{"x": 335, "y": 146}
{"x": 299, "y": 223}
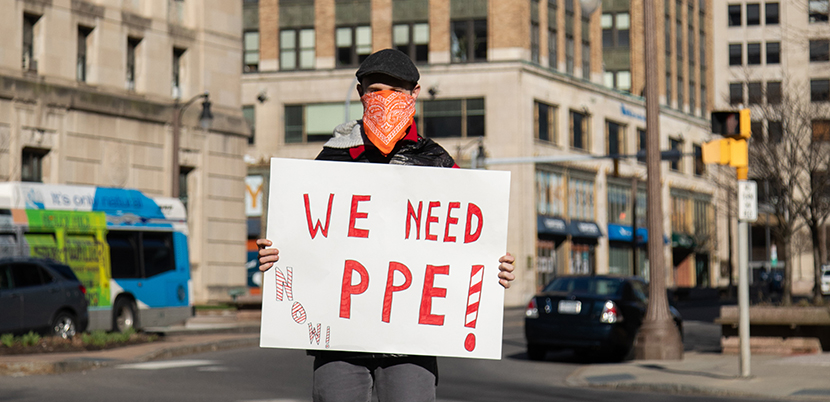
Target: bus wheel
{"x": 63, "y": 325}
{"x": 123, "y": 315}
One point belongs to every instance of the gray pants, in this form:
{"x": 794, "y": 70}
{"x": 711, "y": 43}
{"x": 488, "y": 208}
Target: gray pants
{"x": 405, "y": 378}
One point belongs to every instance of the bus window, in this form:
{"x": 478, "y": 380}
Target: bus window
{"x": 43, "y": 245}
{"x": 158, "y": 253}
{"x": 123, "y": 254}
{"x": 8, "y": 244}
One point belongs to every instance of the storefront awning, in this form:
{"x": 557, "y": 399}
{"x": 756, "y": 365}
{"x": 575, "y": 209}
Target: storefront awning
{"x": 622, "y": 233}
{"x": 589, "y": 230}
{"x": 682, "y": 240}
{"x": 551, "y": 226}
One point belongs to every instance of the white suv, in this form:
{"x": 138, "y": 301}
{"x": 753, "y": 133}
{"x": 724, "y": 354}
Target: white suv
{"x": 825, "y": 279}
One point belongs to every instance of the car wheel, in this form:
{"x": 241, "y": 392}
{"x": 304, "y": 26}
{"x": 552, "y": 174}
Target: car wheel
{"x": 536, "y": 352}
{"x": 63, "y": 325}
{"x": 123, "y": 315}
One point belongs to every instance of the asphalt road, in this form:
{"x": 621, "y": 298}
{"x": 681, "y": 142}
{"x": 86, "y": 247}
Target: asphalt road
{"x": 259, "y": 375}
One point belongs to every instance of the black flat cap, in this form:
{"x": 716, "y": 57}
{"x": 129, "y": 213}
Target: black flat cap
{"x": 391, "y": 62}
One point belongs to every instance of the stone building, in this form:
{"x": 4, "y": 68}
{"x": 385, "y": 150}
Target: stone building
{"x": 88, "y": 96}
{"x": 775, "y": 60}
{"x": 532, "y": 78}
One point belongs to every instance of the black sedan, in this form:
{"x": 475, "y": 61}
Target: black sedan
{"x": 598, "y": 314}
{"x": 41, "y": 295}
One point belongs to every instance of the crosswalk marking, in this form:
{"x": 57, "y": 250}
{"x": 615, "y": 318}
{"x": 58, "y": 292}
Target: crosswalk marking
{"x": 161, "y": 365}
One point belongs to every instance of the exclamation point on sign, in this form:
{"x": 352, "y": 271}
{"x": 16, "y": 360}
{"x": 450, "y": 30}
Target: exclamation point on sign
{"x": 473, "y": 298}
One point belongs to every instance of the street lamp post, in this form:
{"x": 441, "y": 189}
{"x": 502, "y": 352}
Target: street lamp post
{"x": 205, "y": 120}
{"x": 659, "y": 338}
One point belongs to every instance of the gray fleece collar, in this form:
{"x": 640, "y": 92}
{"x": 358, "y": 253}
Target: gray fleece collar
{"x": 346, "y": 135}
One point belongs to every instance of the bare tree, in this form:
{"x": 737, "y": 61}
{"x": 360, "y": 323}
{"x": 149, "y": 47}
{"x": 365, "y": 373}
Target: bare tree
{"x": 794, "y": 161}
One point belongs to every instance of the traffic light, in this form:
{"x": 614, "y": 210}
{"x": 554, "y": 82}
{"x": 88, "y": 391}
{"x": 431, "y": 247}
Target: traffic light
{"x": 732, "y": 124}
{"x": 726, "y": 151}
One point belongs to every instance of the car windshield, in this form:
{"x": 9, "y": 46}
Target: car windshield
{"x": 586, "y": 285}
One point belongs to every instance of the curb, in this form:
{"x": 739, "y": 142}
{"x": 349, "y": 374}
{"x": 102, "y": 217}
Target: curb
{"x": 576, "y": 379}
{"x": 82, "y": 364}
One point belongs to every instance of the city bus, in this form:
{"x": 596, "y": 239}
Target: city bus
{"x": 129, "y": 250}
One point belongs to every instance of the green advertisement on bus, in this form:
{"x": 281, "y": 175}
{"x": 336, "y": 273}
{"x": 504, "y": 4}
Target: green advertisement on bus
{"x": 77, "y": 239}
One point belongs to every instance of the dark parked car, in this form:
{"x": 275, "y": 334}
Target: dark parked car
{"x": 599, "y": 314}
{"x": 41, "y": 295}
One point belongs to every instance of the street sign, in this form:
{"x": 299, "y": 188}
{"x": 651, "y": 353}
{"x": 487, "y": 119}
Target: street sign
{"x": 747, "y": 200}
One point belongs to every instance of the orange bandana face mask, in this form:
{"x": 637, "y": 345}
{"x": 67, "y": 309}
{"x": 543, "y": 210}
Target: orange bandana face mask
{"x": 386, "y": 116}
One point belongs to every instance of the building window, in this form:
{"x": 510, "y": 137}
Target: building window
{"x": 736, "y": 57}
{"x": 675, "y": 145}
{"x": 736, "y": 93}
{"x": 534, "y": 42}
{"x": 469, "y": 41}
{"x": 680, "y": 99}
{"x": 31, "y": 168}
{"x": 668, "y": 85}
{"x": 819, "y": 90}
{"x": 553, "y": 37}
{"x": 250, "y": 43}
{"x": 620, "y": 80}
{"x": 821, "y": 130}
{"x": 819, "y": 50}
{"x": 700, "y": 167}
{"x": 550, "y": 193}
{"x": 755, "y": 92}
{"x": 29, "y": 28}
{"x": 297, "y": 48}
{"x": 586, "y": 60}
{"x": 615, "y": 137}
{"x": 615, "y": 30}
{"x": 544, "y": 119}
{"x": 703, "y": 106}
{"x": 580, "y": 199}
{"x": 447, "y": 118}
{"x": 753, "y": 14}
{"x": 642, "y": 140}
{"x": 773, "y": 52}
{"x": 619, "y": 204}
{"x": 354, "y": 44}
{"x": 178, "y": 55}
{"x": 756, "y": 127}
{"x": 81, "y": 65}
{"x": 569, "y": 54}
{"x": 412, "y": 39}
{"x": 132, "y": 49}
{"x": 774, "y": 92}
{"x": 702, "y": 51}
{"x": 753, "y": 53}
{"x": 692, "y": 97}
{"x": 771, "y": 13}
{"x": 817, "y": 10}
{"x": 316, "y": 122}
{"x": 184, "y": 173}
{"x": 775, "y": 131}
{"x": 734, "y": 15}
{"x": 579, "y": 130}
{"x": 248, "y": 112}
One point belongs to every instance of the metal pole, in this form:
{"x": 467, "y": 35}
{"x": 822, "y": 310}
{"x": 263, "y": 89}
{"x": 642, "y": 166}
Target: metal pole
{"x": 658, "y": 338}
{"x": 743, "y": 295}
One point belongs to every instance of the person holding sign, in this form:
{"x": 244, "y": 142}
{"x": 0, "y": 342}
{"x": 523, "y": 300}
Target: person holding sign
{"x": 388, "y": 87}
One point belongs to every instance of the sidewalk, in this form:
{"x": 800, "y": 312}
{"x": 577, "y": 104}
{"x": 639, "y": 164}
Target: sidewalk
{"x": 803, "y": 377}
{"x": 200, "y": 334}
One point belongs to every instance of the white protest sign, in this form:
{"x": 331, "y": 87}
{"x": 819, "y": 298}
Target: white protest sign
{"x": 385, "y": 259}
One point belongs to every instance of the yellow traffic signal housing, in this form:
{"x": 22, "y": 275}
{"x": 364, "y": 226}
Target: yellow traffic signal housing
{"x": 716, "y": 152}
{"x": 732, "y": 124}
{"x": 727, "y": 151}
{"x": 738, "y": 153}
